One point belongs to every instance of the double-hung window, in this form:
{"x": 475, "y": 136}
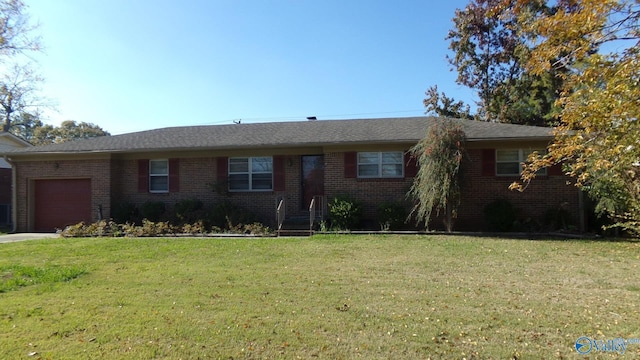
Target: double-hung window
{"x": 159, "y": 176}
{"x": 251, "y": 173}
{"x": 380, "y": 164}
{"x": 509, "y": 162}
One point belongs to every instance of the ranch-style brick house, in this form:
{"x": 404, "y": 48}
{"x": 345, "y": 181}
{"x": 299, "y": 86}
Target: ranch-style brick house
{"x": 255, "y": 166}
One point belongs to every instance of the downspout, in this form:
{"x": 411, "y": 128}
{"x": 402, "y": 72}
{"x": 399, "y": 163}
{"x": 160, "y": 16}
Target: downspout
{"x": 14, "y": 196}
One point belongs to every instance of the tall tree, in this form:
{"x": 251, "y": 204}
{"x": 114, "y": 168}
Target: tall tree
{"x": 68, "y": 130}
{"x": 489, "y": 55}
{"x": 18, "y": 95}
{"x": 442, "y": 105}
{"x": 16, "y": 32}
{"x": 25, "y": 124}
{"x": 598, "y": 139}
{"x": 19, "y": 82}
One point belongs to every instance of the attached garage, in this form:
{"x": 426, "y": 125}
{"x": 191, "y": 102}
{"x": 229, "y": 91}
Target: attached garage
{"x": 60, "y": 202}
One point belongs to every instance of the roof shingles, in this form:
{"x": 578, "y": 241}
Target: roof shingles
{"x": 286, "y": 134}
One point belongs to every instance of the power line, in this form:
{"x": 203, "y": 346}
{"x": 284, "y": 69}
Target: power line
{"x": 302, "y": 117}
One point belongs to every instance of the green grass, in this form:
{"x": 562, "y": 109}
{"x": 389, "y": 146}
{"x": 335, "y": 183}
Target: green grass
{"x": 15, "y": 276}
{"x": 329, "y": 297}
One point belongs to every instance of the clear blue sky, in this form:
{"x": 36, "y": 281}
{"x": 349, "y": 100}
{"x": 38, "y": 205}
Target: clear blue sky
{"x": 130, "y": 65}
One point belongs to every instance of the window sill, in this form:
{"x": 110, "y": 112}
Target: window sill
{"x": 249, "y": 191}
{"x": 389, "y": 179}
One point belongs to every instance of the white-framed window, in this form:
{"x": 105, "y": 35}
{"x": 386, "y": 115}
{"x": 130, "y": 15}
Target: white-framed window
{"x": 389, "y": 164}
{"x": 251, "y": 173}
{"x": 159, "y": 176}
{"x": 509, "y": 162}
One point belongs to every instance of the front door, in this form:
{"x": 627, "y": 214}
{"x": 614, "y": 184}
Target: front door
{"x": 312, "y": 178}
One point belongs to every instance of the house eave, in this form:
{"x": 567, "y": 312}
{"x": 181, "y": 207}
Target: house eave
{"x": 218, "y": 149}
{"x": 504, "y": 139}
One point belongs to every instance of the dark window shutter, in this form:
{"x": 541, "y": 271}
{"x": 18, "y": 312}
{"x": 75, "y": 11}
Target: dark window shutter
{"x": 222, "y": 170}
{"x": 143, "y": 175}
{"x": 410, "y": 165}
{"x": 488, "y": 162}
{"x": 350, "y": 164}
{"x": 278, "y": 173}
{"x": 555, "y": 170}
{"x": 174, "y": 175}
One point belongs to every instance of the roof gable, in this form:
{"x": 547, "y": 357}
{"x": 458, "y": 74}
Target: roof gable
{"x": 10, "y": 141}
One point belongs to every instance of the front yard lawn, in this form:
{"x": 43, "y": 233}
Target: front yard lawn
{"x": 330, "y": 297}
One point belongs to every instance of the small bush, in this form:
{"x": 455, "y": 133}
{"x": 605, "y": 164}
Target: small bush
{"x": 125, "y": 212}
{"x": 152, "y": 210}
{"x": 188, "y": 211}
{"x": 195, "y": 228}
{"x": 499, "y": 215}
{"x": 257, "y": 228}
{"x": 392, "y": 215}
{"x": 345, "y": 212}
{"x": 100, "y": 228}
{"x": 227, "y": 215}
{"x": 150, "y": 228}
{"x": 558, "y": 218}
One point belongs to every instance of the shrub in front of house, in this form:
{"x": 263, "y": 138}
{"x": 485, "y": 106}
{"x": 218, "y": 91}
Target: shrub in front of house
{"x": 99, "y": 228}
{"x": 227, "y": 215}
{"x": 392, "y": 215}
{"x": 125, "y": 212}
{"x": 152, "y": 210}
{"x": 188, "y": 211}
{"x": 500, "y": 215}
{"x": 558, "y": 218}
{"x": 345, "y": 212}
{"x": 190, "y": 218}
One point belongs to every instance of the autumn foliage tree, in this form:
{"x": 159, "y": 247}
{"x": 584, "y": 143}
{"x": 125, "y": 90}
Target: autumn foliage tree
{"x": 490, "y": 51}
{"x": 598, "y": 137}
{"x": 436, "y": 186}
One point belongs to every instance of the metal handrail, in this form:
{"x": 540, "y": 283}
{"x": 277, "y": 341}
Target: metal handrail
{"x": 312, "y": 213}
{"x": 280, "y": 213}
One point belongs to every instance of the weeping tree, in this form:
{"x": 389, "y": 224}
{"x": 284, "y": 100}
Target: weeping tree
{"x": 436, "y": 186}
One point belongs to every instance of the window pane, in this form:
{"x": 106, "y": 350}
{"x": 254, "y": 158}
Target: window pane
{"x": 368, "y": 158}
{"x": 261, "y": 181}
{"x": 392, "y": 170}
{"x": 526, "y": 153}
{"x": 368, "y": 170}
{"x": 392, "y": 157}
{"x": 158, "y": 167}
{"x": 159, "y": 183}
{"x": 261, "y": 164}
{"x": 239, "y": 182}
{"x": 510, "y": 168}
{"x": 238, "y": 165}
{"x": 507, "y": 155}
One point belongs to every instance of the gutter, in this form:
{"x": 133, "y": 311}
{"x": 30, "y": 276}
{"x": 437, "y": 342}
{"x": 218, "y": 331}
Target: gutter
{"x": 14, "y": 196}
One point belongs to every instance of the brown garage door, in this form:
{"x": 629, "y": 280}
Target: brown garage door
{"x": 61, "y": 202}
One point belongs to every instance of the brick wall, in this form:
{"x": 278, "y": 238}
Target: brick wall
{"x": 116, "y": 180}
{"x": 196, "y": 176}
{"x": 541, "y": 195}
{"x": 371, "y": 192}
{"x": 98, "y": 170}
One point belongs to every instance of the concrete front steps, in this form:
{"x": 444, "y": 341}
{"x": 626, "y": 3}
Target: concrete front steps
{"x": 296, "y": 226}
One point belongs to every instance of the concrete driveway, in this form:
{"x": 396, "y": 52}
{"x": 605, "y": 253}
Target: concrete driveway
{"x": 25, "y": 236}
